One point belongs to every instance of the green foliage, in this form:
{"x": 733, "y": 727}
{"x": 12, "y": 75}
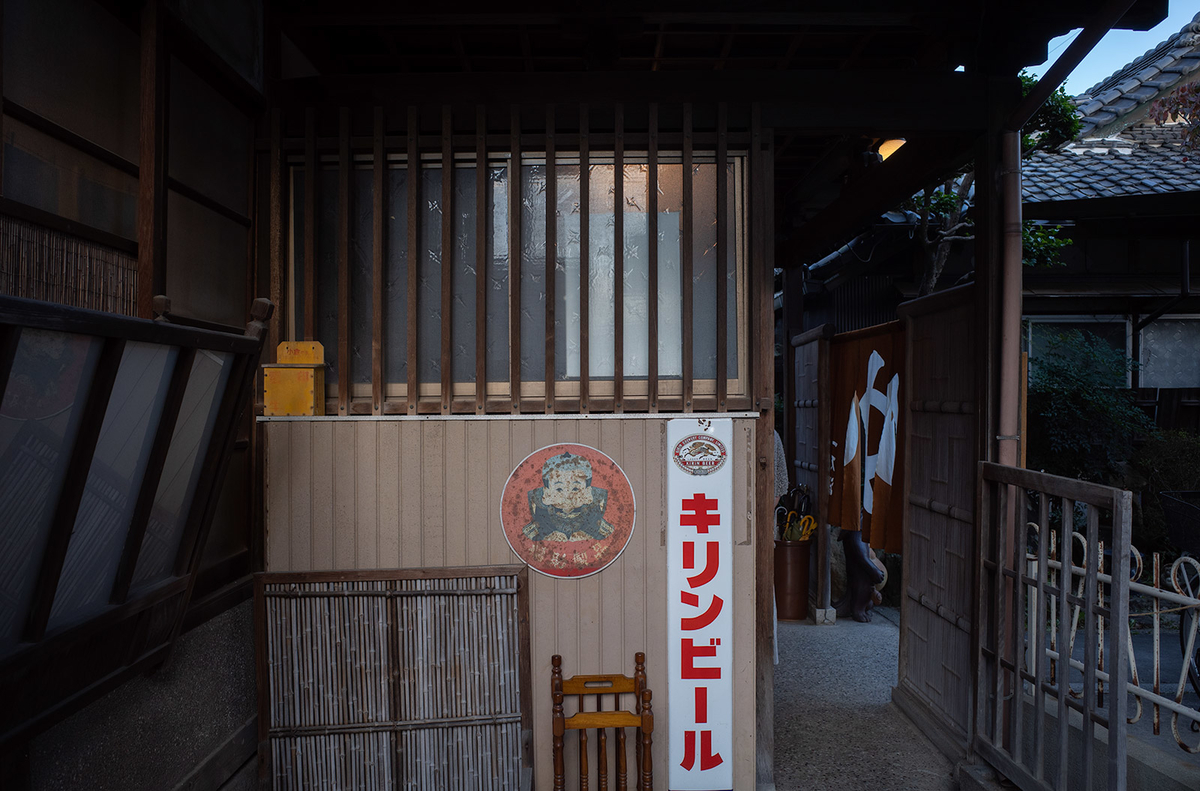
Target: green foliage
{"x": 1168, "y": 461}
{"x": 1041, "y": 246}
{"x": 940, "y": 203}
{"x": 1053, "y": 124}
{"x": 1081, "y": 419}
{"x": 1181, "y": 105}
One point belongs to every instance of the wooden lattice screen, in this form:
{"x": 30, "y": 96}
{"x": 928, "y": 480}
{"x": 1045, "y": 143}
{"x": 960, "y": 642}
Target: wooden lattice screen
{"x": 394, "y": 679}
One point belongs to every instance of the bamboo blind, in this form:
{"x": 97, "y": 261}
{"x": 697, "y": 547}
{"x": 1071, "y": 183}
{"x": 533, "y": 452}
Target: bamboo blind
{"x": 392, "y": 680}
{"x": 45, "y": 264}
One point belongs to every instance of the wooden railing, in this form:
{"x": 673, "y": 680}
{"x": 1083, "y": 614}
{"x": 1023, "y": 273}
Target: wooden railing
{"x": 115, "y": 434}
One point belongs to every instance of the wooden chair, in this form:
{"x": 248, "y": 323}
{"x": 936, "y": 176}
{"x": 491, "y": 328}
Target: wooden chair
{"x": 601, "y": 720}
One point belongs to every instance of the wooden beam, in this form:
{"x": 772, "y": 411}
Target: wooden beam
{"x": 343, "y": 263}
{"x": 277, "y": 225}
{"x": 685, "y": 275}
{"x": 414, "y": 218}
{"x": 652, "y": 256}
{"x": 514, "y": 261}
{"x": 915, "y": 165}
{"x": 21, "y": 211}
{"x": 551, "y": 259}
{"x": 87, "y": 418}
{"x": 1106, "y": 16}
{"x": 619, "y": 259}
{"x": 155, "y": 82}
{"x": 379, "y": 211}
{"x": 481, "y": 258}
{"x": 585, "y": 365}
{"x": 722, "y": 263}
{"x": 863, "y": 101}
{"x": 310, "y": 225}
{"x": 447, "y": 275}
{"x": 152, "y": 474}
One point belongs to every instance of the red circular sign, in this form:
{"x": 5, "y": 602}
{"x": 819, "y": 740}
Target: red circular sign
{"x": 567, "y": 510}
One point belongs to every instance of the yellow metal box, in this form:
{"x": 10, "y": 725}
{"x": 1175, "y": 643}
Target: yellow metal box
{"x": 295, "y": 385}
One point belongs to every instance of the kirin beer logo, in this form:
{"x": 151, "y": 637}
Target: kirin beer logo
{"x": 699, "y": 454}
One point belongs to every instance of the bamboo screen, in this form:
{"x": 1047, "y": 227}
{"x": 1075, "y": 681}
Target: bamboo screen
{"x": 40, "y": 263}
{"x": 389, "y": 680}
{"x": 594, "y": 260}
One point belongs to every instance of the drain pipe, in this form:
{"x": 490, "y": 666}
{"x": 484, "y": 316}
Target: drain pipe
{"x": 1009, "y": 439}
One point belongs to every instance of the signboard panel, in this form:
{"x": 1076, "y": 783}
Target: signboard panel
{"x": 700, "y": 604}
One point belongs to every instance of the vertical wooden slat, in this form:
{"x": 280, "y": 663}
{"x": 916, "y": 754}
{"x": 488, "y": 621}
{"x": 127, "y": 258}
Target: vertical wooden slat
{"x": 88, "y": 418}
{"x": 310, "y": 225}
{"x": 1064, "y": 669}
{"x": 481, "y": 258}
{"x": 619, "y": 259}
{"x": 686, "y": 258}
{"x": 722, "y": 260}
{"x": 155, "y": 79}
{"x": 1089, "y": 639}
{"x": 1118, "y": 633}
{"x": 378, "y": 385}
{"x": 1018, "y": 631}
{"x": 1039, "y": 635}
{"x": 514, "y": 261}
{"x": 148, "y": 487}
{"x": 551, "y": 258}
{"x": 447, "y": 389}
{"x": 343, "y": 262}
{"x": 585, "y": 204}
{"x": 413, "y": 393}
{"x": 652, "y": 255}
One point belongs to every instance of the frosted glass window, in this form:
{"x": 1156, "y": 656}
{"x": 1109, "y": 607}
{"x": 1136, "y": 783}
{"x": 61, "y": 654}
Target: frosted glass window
{"x": 462, "y": 306}
{"x": 429, "y": 278}
{"x": 395, "y": 290}
{"x": 533, "y": 273}
{"x": 39, "y": 419}
{"x": 181, "y": 470}
{"x": 122, "y": 451}
{"x": 567, "y": 312}
{"x": 497, "y": 289}
{"x": 1171, "y": 353}
{"x": 362, "y": 258}
{"x": 637, "y": 269}
{"x": 670, "y": 274}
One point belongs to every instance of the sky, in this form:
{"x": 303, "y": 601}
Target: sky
{"x": 1117, "y": 48}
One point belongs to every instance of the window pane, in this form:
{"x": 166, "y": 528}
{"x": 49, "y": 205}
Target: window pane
{"x": 601, "y": 272}
{"x": 362, "y": 258}
{"x": 39, "y": 418}
{"x": 297, "y": 252}
{"x": 637, "y": 270}
{"x": 533, "y": 273}
{"x": 463, "y": 305}
{"x": 704, "y": 271}
{"x": 429, "y": 278}
{"x": 395, "y": 298}
{"x": 670, "y": 299}
{"x": 181, "y": 470}
{"x": 327, "y": 265}
{"x": 497, "y": 290}
{"x": 1169, "y": 356}
{"x": 566, "y": 238}
{"x": 111, "y": 492}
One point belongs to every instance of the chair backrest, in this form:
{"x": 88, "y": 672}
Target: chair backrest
{"x": 601, "y": 719}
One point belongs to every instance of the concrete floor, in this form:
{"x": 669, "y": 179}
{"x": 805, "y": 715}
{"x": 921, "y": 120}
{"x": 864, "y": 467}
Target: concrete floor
{"x": 835, "y": 725}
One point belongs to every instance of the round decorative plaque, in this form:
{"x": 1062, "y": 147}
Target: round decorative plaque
{"x": 567, "y": 510}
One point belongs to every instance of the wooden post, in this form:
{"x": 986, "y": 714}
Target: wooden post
{"x": 413, "y": 176}
{"x": 619, "y": 260}
{"x": 343, "y": 263}
{"x": 551, "y": 260}
{"x": 481, "y": 259}
{"x": 685, "y": 265}
{"x": 585, "y": 374}
{"x": 447, "y": 366}
{"x": 514, "y": 262}
{"x": 652, "y": 256}
{"x": 155, "y": 79}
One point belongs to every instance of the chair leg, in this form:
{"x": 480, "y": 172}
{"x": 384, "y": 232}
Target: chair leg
{"x": 622, "y": 783}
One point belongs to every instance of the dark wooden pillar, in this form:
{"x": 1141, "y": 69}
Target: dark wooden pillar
{"x": 152, "y": 168}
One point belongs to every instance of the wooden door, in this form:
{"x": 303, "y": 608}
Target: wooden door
{"x": 935, "y": 680}
{"x": 812, "y": 409}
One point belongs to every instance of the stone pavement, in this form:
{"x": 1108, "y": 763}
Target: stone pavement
{"x": 836, "y": 728}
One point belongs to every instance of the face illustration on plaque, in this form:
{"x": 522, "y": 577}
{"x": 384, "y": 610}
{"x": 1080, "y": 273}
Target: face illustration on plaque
{"x": 567, "y": 510}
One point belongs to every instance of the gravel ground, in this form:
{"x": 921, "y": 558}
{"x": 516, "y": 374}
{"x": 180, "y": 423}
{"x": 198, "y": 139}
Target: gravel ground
{"x": 835, "y": 725}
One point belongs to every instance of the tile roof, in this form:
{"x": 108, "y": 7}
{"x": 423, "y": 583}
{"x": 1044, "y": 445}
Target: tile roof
{"x": 1124, "y": 97}
{"x": 1143, "y": 159}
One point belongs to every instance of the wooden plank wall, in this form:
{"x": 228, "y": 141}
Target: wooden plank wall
{"x": 377, "y": 494}
{"x": 939, "y": 597}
